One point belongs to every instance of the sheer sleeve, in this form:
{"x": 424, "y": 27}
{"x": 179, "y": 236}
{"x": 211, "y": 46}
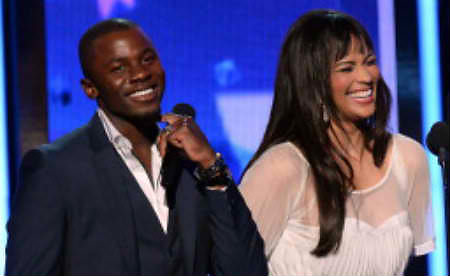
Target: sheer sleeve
{"x": 419, "y": 205}
{"x": 272, "y": 187}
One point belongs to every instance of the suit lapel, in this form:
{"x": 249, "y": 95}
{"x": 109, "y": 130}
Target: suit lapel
{"x": 187, "y": 218}
{"x": 179, "y": 195}
{"x": 112, "y": 178}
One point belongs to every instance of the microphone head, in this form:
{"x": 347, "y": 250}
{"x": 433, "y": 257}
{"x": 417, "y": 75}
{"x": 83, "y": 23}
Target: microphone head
{"x": 184, "y": 109}
{"x": 438, "y": 137}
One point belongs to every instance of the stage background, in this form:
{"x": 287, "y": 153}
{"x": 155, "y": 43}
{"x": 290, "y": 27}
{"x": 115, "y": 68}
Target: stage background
{"x": 219, "y": 56}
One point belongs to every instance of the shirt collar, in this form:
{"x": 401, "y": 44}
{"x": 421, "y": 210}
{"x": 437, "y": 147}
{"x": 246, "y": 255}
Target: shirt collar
{"x": 119, "y": 140}
{"x": 113, "y": 134}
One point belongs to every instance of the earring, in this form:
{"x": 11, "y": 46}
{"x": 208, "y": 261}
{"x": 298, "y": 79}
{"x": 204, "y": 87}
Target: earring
{"x": 325, "y": 116}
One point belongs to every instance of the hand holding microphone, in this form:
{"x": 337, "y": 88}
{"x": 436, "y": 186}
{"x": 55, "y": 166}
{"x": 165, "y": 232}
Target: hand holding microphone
{"x": 183, "y": 133}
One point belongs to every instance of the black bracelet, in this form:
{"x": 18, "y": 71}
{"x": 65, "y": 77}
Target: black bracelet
{"x": 217, "y": 174}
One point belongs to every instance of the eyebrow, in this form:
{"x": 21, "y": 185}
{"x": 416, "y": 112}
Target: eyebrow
{"x": 148, "y": 50}
{"x": 114, "y": 61}
{"x": 144, "y": 52}
{"x": 369, "y": 55}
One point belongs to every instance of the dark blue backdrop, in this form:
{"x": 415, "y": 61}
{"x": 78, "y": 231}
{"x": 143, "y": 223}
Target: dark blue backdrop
{"x": 219, "y": 56}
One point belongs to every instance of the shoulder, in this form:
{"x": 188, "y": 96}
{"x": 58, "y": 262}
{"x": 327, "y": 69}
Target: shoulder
{"x": 86, "y": 137}
{"x": 407, "y": 145}
{"x": 282, "y": 162}
{"x": 284, "y": 155}
{"x": 405, "y": 141}
{"x": 65, "y": 149}
{"x": 75, "y": 138}
{"x": 410, "y": 151}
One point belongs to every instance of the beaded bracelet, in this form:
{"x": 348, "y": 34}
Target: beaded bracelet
{"x": 217, "y": 170}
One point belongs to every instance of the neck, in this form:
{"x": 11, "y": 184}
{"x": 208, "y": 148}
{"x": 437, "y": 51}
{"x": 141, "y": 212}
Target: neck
{"x": 347, "y": 138}
{"x": 139, "y": 132}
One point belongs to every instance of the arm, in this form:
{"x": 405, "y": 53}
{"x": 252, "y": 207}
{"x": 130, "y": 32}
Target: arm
{"x": 419, "y": 204}
{"x": 36, "y": 225}
{"x": 274, "y": 188}
{"x": 237, "y": 246}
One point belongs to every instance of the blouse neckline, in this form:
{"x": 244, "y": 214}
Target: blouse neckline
{"x": 386, "y": 175}
{"x": 373, "y": 187}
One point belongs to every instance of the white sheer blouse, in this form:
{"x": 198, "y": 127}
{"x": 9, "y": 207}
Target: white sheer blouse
{"x": 385, "y": 223}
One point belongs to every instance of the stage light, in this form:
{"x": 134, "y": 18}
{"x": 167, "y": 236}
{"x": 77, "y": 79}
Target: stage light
{"x": 4, "y": 167}
{"x": 432, "y": 112}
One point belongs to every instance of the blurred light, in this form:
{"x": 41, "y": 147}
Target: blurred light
{"x": 431, "y": 112}
{"x": 226, "y": 73}
{"x": 388, "y": 64}
{"x": 106, "y": 7}
{"x": 4, "y": 168}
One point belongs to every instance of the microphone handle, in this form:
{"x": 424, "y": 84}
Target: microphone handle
{"x": 441, "y": 156}
{"x": 442, "y": 159}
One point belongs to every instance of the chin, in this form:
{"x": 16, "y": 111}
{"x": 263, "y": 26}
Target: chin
{"x": 152, "y": 116}
{"x": 366, "y": 113}
{"x": 365, "y": 117}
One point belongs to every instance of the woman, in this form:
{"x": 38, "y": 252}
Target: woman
{"x": 333, "y": 192}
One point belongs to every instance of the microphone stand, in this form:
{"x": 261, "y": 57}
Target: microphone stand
{"x": 442, "y": 160}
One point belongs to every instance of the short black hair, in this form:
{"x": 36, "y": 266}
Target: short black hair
{"x": 93, "y": 33}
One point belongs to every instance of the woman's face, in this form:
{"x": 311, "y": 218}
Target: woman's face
{"x": 354, "y": 81}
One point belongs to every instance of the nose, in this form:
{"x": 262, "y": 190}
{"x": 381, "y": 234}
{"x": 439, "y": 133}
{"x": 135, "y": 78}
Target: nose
{"x": 139, "y": 73}
{"x": 365, "y": 75}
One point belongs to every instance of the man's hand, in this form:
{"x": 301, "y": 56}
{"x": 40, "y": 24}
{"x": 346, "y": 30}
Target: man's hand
{"x": 183, "y": 133}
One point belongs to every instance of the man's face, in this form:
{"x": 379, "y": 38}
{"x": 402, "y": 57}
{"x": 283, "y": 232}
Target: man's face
{"x": 126, "y": 78}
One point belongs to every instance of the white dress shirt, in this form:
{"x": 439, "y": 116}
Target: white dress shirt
{"x": 149, "y": 184}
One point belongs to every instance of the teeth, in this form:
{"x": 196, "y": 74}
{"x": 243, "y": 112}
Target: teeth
{"x": 142, "y": 92}
{"x": 362, "y": 94}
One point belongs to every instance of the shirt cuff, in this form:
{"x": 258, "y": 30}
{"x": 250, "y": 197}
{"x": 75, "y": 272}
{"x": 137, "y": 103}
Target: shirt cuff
{"x": 424, "y": 248}
{"x": 221, "y": 189}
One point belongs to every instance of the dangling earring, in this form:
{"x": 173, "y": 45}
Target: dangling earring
{"x": 325, "y": 116}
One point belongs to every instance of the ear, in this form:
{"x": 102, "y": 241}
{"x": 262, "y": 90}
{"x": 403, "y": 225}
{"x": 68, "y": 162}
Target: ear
{"x": 89, "y": 88}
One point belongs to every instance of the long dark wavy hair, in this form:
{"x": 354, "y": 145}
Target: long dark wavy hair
{"x": 302, "y": 89}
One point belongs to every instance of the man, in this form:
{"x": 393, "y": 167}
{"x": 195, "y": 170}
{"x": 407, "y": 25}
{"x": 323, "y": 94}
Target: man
{"x": 106, "y": 199}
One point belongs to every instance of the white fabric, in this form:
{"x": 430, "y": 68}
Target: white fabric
{"x": 152, "y": 188}
{"x": 383, "y": 225}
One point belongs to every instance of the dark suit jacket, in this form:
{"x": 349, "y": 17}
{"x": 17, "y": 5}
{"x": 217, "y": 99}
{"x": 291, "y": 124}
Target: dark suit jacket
{"x": 71, "y": 215}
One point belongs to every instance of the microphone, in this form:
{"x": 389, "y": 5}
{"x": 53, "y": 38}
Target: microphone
{"x": 184, "y": 109}
{"x": 437, "y": 141}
